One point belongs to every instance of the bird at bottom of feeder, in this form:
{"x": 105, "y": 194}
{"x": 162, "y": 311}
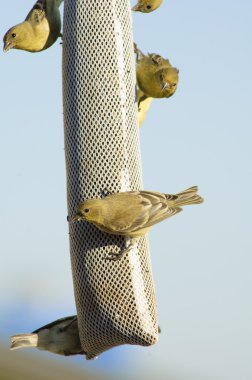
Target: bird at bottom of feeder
{"x": 59, "y": 337}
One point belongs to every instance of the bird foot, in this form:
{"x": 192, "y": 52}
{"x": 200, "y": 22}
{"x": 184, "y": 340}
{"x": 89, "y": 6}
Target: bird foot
{"x": 115, "y": 256}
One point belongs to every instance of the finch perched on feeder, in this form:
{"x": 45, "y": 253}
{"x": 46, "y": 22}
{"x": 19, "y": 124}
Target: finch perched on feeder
{"x": 156, "y": 77}
{"x": 133, "y": 213}
{"x": 40, "y": 29}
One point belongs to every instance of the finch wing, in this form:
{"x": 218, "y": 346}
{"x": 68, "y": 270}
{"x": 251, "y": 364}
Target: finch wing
{"x": 156, "y": 58}
{"x": 157, "y": 210}
{"x": 138, "y": 210}
{"x": 162, "y": 214}
{"x": 37, "y": 13}
{"x": 159, "y": 61}
{"x": 142, "y": 209}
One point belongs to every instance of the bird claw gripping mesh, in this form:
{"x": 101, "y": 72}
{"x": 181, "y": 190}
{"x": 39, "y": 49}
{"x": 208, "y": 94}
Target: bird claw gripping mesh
{"x": 115, "y": 300}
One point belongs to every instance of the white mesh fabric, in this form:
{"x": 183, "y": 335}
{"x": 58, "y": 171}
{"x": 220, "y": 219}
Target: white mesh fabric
{"x": 115, "y": 300}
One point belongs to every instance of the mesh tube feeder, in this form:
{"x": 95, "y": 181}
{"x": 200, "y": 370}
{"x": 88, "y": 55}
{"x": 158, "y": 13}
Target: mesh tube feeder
{"x": 115, "y": 301}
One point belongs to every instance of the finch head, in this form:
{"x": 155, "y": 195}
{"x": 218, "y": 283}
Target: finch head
{"x": 88, "y": 210}
{"x": 14, "y": 37}
{"x": 168, "y": 79}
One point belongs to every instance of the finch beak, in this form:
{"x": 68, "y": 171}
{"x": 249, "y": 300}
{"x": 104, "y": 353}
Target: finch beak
{"x": 164, "y": 86}
{"x": 76, "y": 218}
{"x": 7, "y": 46}
{"x": 136, "y": 8}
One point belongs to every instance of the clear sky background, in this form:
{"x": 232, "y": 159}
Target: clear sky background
{"x": 201, "y": 136}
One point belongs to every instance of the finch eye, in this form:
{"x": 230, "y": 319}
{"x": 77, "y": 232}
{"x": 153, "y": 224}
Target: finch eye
{"x": 86, "y": 210}
{"x": 13, "y": 35}
{"x": 148, "y": 7}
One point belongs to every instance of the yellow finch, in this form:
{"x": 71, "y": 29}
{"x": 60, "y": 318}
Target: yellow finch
{"x": 40, "y": 29}
{"x": 147, "y": 6}
{"x": 156, "y": 77}
{"x": 60, "y": 337}
{"x": 133, "y": 213}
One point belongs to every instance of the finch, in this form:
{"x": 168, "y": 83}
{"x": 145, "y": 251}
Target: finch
{"x": 147, "y": 6}
{"x": 60, "y": 337}
{"x": 133, "y": 213}
{"x": 156, "y": 77}
{"x": 40, "y": 29}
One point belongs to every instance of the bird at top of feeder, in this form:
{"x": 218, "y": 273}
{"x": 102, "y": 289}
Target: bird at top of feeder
{"x": 38, "y": 31}
{"x": 147, "y": 6}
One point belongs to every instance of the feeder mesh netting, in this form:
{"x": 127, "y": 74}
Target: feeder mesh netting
{"x": 115, "y": 300}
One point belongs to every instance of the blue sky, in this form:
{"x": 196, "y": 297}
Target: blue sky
{"x": 201, "y": 136}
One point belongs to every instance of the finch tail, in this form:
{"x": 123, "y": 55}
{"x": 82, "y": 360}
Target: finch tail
{"x": 186, "y": 197}
{"x": 23, "y": 340}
